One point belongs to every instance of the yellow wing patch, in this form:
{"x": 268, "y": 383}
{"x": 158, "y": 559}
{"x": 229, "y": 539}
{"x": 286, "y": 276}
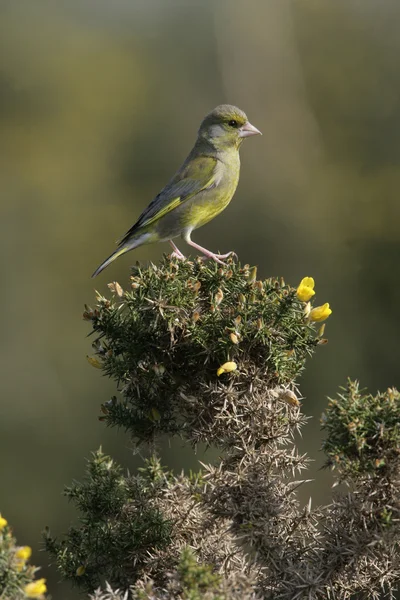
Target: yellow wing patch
{"x": 173, "y": 204}
{"x": 195, "y": 176}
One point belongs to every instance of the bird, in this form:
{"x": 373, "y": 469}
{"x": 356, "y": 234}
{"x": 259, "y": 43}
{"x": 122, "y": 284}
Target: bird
{"x": 201, "y": 188}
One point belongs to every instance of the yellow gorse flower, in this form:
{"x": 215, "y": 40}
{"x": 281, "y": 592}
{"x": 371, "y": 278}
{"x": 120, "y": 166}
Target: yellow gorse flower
{"x": 24, "y": 553}
{"x": 305, "y": 291}
{"x": 3, "y": 522}
{"x": 227, "y": 368}
{"x": 36, "y": 589}
{"x": 320, "y": 313}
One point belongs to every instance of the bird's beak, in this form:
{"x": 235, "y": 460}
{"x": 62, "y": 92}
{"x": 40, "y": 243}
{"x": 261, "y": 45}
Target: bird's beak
{"x": 248, "y": 129}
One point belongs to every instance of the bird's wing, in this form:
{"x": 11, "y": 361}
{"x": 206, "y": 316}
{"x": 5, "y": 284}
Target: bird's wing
{"x": 196, "y": 175}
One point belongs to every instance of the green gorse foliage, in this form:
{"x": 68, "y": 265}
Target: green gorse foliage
{"x": 118, "y": 525}
{"x": 363, "y": 431}
{"x": 179, "y": 322}
{"x": 212, "y": 354}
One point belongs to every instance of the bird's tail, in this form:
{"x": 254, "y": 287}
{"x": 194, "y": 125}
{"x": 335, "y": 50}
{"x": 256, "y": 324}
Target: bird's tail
{"x": 124, "y": 247}
{"x": 111, "y": 258}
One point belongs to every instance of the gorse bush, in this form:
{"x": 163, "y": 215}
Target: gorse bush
{"x": 120, "y": 525}
{"x": 164, "y": 339}
{"x": 212, "y": 354}
{"x": 17, "y": 575}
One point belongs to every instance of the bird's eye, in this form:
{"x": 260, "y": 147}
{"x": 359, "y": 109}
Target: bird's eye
{"x": 233, "y": 123}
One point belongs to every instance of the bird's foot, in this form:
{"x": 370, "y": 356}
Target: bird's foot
{"x": 218, "y": 257}
{"x": 214, "y": 257}
{"x": 176, "y": 252}
{"x": 227, "y": 255}
{"x": 206, "y": 253}
{"x": 177, "y": 255}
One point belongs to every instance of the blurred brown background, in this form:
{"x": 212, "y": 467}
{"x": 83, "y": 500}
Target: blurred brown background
{"x": 99, "y": 103}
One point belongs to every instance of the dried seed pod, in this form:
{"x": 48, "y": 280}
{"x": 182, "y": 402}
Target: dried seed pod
{"x": 289, "y": 397}
{"x": 219, "y": 296}
{"x": 159, "y": 369}
{"x": 88, "y": 313}
{"x": 242, "y": 300}
{"x": 307, "y": 310}
{"x": 116, "y": 288}
{"x": 234, "y": 338}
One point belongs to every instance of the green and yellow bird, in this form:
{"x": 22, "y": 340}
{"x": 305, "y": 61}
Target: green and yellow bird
{"x": 199, "y": 191}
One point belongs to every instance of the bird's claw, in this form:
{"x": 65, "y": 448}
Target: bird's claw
{"x": 177, "y": 255}
{"x": 217, "y": 257}
{"x": 228, "y": 254}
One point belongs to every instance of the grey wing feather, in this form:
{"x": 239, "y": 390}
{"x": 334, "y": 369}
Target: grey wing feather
{"x": 180, "y": 188}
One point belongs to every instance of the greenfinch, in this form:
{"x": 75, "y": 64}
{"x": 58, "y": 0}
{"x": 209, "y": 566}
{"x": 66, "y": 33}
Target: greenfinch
{"x": 200, "y": 189}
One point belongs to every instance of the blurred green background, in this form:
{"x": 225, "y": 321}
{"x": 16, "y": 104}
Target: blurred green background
{"x": 100, "y": 102}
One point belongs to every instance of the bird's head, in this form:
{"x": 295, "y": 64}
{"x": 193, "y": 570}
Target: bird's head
{"x": 226, "y": 126}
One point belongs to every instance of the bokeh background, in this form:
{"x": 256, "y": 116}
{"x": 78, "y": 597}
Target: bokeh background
{"x": 99, "y": 103}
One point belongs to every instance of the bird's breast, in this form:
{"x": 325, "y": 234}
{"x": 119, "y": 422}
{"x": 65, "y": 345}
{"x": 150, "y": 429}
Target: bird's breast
{"x": 209, "y": 203}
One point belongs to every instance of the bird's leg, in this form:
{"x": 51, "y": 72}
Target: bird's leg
{"x": 207, "y": 253}
{"x": 176, "y": 252}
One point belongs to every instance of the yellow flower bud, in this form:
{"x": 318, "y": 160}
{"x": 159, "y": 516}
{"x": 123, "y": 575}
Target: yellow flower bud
{"x": 92, "y": 360}
{"x": 3, "y": 522}
{"x": 20, "y": 565}
{"x": 320, "y": 313}
{"x": 252, "y": 276}
{"x": 227, "y": 368}
{"x": 305, "y": 291}
{"x": 80, "y": 571}
{"x": 154, "y": 415}
{"x": 36, "y": 589}
{"x": 25, "y": 552}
